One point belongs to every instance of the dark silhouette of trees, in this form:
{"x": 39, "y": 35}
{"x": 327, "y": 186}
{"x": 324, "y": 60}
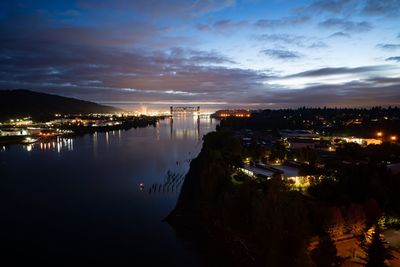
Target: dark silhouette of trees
{"x": 333, "y": 121}
{"x": 372, "y": 210}
{"x": 274, "y": 222}
{"x": 375, "y": 248}
{"x": 325, "y": 254}
{"x": 281, "y": 225}
{"x": 355, "y": 219}
{"x": 272, "y": 218}
{"x": 335, "y": 221}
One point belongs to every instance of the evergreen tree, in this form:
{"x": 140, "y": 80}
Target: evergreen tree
{"x": 376, "y": 250}
{"x": 325, "y": 254}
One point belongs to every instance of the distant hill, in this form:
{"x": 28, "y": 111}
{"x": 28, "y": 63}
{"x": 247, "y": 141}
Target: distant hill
{"x": 23, "y": 103}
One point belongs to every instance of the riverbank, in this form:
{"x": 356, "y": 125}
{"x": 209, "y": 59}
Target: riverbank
{"x": 71, "y": 131}
{"x": 199, "y": 214}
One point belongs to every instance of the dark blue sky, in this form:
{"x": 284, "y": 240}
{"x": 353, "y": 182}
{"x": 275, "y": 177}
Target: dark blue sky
{"x": 249, "y": 53}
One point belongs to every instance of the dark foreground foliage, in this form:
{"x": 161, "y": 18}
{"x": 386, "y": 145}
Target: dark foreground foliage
{"x": 268, "y": 222}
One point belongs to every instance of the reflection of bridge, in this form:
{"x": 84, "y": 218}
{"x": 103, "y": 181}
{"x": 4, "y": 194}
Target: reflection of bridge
{"x": 195, "y": 111}
{"x": 183, "y": 110}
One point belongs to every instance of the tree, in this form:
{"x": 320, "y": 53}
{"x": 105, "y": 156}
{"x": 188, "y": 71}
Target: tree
{"x": 325, "y": 254}
{"x": 372, "y": 209}
{"x": 335, "y": 221}
{"x": 355, "y": 219}
{"x": 375, "y": 249}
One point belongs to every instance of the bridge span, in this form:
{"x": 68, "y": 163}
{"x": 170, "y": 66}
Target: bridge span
{"x": 184, "y": 110}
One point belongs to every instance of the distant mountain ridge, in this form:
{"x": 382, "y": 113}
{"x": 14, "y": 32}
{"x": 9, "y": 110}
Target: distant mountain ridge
{"x": 23, "y": 103}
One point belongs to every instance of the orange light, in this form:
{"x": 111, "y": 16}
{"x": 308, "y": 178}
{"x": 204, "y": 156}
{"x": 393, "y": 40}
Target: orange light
{"x": 379, "y": 134}
{"x": 393, "y": 138}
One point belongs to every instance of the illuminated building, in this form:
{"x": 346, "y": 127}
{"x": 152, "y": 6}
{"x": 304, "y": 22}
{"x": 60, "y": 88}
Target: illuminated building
{"x": 298, "y": 139}
{"x": 13, "y": 132}
{"x": 360, "y": 141}
{"x": 239, "y": 113}
{"x": 300, "y": 134}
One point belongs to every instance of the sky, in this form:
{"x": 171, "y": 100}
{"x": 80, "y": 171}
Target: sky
{"x": 235, "y": 53}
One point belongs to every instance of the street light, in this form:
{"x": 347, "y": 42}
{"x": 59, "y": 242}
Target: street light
{"x": 379, "y": 134}
{"x": 393, "y": 138}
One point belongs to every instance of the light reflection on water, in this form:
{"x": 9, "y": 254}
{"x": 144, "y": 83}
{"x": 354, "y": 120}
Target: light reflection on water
{"x": 182, "y": 127}
{"x": 101, "y": 195}
{"x": 59, "y": 144}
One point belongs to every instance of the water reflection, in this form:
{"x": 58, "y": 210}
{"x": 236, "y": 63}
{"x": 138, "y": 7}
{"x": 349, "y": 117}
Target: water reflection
{"x": 101, "y": 189}
{"x": 189, "y": 126}
{"x": 180, "y": 128}
{"x": 60, "y": 144}
{"x": 94, "y": 138}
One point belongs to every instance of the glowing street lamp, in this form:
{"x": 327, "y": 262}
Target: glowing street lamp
{"x": 379, "y": 134}
{"x": 393, "y": 138}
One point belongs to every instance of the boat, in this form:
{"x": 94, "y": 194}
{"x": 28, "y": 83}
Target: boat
{"x": 29, "y": 140}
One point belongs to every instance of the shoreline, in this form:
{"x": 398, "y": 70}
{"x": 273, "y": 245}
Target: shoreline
{"x": 79, "y": 131}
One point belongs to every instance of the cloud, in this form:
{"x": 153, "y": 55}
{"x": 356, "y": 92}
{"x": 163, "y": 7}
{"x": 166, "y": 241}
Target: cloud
{"x": 200, "y": 57}
{"x": 39, "y": 28}
{"x": 318, "y": 44}
{"x": 339, "y": 71}
{"x": 383, "y": 81}
{"x": 175, "y": 8}
{"x": 98, "y": 62}
{"x": 223, "y": 25}
{"x": 388, "y": 46}
{"x": 146, "y": 51}
{"x": 284, "y": 22}
{"x": 352, "y": 94}
{"x": 379, "y": 7}
{"x": 397, "y": 59}
{"x": 384, "y": 8}
{"x": 346, "y": 25}
{"x": 95, "y": 72}
{"x": 339, "y": 35}
{"x": 337, "y": 87}
{"x": 332, "y": 6}
{"x": 72, "y": 13}
{"x": 284, "y": 38}
{"x": 203, "y": 27}
{"x": 228, "y": 24}
{"x": 207, "y": 6}
{"x": 290, "y": 39}
{"x": 281, "y": 54}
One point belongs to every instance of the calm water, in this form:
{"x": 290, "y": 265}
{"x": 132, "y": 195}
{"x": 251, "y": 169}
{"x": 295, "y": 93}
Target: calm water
{"x": 79, "y": 200}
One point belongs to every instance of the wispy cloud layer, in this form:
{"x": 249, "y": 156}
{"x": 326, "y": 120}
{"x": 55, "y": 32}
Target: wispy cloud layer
{"x": 281, "y": 54}
{"x": 389, "y": 47}
{"x": 397, "y": 59}
{"x": 287, "y": 21}
{"x": 386, "y": 8}
{"x": 204, "y": 51}
{"x": 346, "y": 25}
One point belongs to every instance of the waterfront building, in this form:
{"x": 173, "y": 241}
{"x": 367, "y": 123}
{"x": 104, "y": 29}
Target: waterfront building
{"x": 239, "y": 113}
{"x": 13, "y": 132}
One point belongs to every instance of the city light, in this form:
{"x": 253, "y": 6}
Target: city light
{"x": 393, "y": 138}
{"x": 379, "y": 134}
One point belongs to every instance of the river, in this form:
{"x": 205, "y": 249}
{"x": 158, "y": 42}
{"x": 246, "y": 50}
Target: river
{"x": 80, "y": 201}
